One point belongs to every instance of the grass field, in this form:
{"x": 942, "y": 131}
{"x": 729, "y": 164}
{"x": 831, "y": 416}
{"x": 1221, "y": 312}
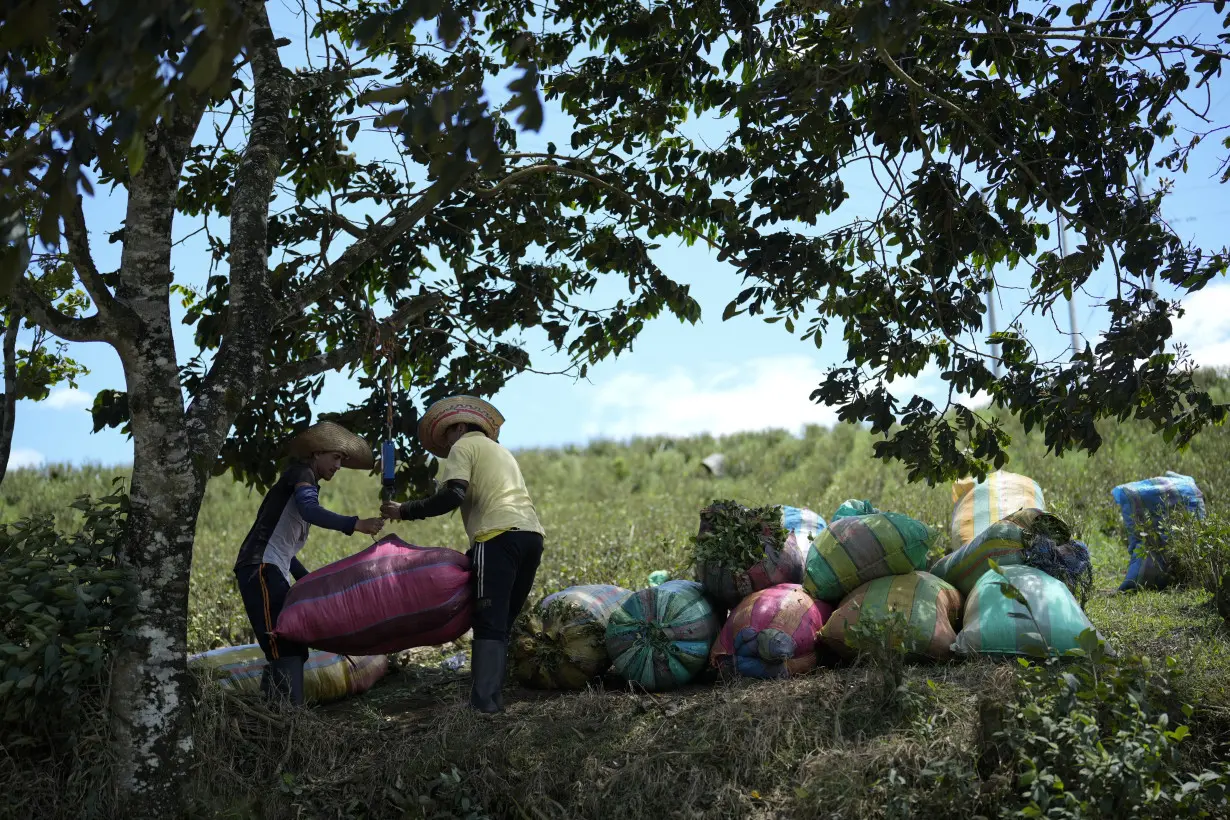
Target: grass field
{"x": 614, "y": 513}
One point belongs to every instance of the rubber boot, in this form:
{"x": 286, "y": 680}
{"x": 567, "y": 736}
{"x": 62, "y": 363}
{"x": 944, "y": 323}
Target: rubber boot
{"x": 487, "y": 676}
{"x": 286, "y": 679}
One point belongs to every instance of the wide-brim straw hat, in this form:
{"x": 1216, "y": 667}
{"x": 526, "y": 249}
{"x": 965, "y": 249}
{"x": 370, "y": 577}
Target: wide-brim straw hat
{"x": 328, "y": 437}
{"x": 457, "y": 410}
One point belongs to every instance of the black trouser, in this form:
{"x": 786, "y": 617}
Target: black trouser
{"x": 264, "y": 588}
{"x": 502, "y": 572}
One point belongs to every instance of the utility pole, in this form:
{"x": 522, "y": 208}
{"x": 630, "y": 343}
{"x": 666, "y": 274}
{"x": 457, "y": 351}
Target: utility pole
{"x": 1063, "y": 253}
{"x": 1140, "y": 198}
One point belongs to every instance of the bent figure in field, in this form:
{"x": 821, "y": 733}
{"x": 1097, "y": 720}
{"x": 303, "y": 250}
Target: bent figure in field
{"x": 268, "y": 564}
{"x": 481, "y": 477}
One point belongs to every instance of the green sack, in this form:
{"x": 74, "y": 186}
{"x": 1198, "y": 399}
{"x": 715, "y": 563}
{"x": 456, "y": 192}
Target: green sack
{"x": 660, "y": 637}
{"x": 997, "y": 625}
{"x": 850, "y": 552}
{"x": 560, "y": 643}
{"x": 1003, "y": 542}
{"x": 658, "y": 577}
{"x": 852, "y": 507}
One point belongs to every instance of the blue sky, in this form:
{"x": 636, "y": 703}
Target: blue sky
{"x": 718, "y": 377}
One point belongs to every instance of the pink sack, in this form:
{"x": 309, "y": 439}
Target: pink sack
{"x": 389, "y": 597}
{"x": 771, "y": 634}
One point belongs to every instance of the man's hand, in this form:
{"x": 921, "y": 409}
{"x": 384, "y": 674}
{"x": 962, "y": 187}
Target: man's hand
{"x": 390, "y": 511}
{"x": 371, "y": 526}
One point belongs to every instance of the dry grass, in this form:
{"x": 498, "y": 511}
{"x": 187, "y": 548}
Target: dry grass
{"x": 742, "y": 749}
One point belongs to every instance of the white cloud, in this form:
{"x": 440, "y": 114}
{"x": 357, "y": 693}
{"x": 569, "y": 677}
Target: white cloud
{"x": 69, "y": 398}
{"x": 25, "y": 457}
{"x": 754, "y": 395}
{"x": 1204, "y": 327}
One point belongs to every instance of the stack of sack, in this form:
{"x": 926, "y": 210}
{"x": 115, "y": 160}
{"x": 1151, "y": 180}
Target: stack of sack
{"x": 872, "y": 564}
{"x": 327, "y": 676}
{"x": 1003, "y": 520}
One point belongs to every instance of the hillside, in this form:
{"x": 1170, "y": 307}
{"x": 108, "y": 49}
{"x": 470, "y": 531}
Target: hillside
{"x": 615, "y": 512}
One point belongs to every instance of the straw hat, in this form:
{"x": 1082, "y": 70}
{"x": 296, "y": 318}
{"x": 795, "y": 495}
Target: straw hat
{"x": 327, "y": 437}
{"x": 457, "y": 410}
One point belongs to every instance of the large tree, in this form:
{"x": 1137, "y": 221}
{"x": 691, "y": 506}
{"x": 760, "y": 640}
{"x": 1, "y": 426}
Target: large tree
{"x": 986, "y": 120}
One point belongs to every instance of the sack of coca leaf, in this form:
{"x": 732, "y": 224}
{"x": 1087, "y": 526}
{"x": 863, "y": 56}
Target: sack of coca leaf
{"x": 739, "y": 550}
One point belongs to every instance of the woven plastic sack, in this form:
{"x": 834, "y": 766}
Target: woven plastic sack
{"x": 561, "y": 642}
{"x": 660, "y": 637}
{"x": 931, "y": 608}
{"x": 782, "y": 563}
{"x": 852, "y": 507}
{"x": 1145, "y": 506}
{"x": 978, "y": 505}
{"x": 389, "y": 597}
{"x": 1003, "y": 542}
{"x": 855, "y": 550}
{"x": 995, "y": 624}
{"x": 771, "y": 634}
{"x": 327, "y": 676}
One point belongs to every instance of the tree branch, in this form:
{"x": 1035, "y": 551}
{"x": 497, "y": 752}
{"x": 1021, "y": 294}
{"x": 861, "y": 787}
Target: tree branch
{"x": 77, "y": 234}
{"x": 334, "y": 359}
{"x": 8, "y": 399}
{"x": 358, "y": 254}
{"x": 239, "y": 366}
{"x": 306, "y": 81}
{"x": 45, "y": 314}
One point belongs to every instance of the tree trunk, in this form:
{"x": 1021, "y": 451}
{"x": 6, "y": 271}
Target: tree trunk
{"x": 8, "y": 399}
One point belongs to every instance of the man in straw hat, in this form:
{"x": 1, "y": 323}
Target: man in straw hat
{"x": 267, "y": 560}
{"x": 481, "y": 477}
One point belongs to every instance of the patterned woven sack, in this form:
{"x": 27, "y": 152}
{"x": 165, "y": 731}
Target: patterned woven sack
{"x": 771, "y": 634}
{"x": 660, "y": 637}
{"x": 1145, "y": 506}
{"x": 561, "y": 642}
{"x": 929, "y": 606}
{"x": 782, "y": 562}
{"x": 1003, "y": 542}
{"x": 389, "y": 597}
{"x": 995, "y": 624}
{"x": 327, "y": 676}
{"x": 855, "y": 550}
{"x": 979, "y": 504}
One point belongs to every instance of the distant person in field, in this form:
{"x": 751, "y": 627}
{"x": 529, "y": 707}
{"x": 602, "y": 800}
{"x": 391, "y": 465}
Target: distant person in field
{"x": 267, "y": 563}
{"x": 481, "y": 477}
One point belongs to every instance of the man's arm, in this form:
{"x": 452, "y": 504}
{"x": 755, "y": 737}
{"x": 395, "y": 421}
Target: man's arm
{"x": 297, "y": 569}
{"x": 307, "y": 499}
{"x": 447, "y": 499}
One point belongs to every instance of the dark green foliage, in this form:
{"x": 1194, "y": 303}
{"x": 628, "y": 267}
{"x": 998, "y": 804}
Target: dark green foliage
{"x": 1196, "y": 552}
{"x": 1098, "y": 737}
{"x": 734, "y": 537}
{"x": 64, "y": 606}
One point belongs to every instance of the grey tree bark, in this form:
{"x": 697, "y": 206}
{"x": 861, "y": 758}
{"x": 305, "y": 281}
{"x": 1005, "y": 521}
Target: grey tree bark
{"x": 8, "y": 399}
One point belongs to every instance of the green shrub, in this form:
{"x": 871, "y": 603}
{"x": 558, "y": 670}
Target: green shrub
{"x": 64, "y": 606}
{"x": 733, "y": 536}
{"x": 1092, "y": 736}
{"x": 1197, "y": 553}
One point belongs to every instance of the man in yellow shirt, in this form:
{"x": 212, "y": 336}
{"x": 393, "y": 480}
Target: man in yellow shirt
{"x": 481, "y": 476}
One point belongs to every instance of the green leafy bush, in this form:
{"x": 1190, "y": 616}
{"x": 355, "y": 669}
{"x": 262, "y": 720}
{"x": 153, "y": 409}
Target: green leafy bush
{"x": 1092, "y": 736}
{"x": 1197, "y": 553}
{"x": 733, "y": 536}
{"x": 64, "y": 606}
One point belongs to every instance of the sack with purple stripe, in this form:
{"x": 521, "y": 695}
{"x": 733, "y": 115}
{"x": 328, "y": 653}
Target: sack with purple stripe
{"x": 389, "y": 597}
